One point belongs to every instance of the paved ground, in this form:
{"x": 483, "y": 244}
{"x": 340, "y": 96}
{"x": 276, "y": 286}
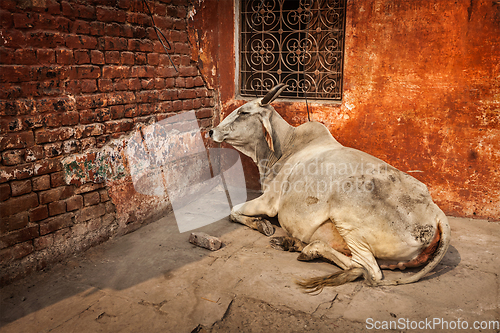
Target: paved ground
{"x": 154, "y": 280}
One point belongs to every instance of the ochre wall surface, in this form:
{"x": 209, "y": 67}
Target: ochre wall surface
{"x": 421, "y": 91}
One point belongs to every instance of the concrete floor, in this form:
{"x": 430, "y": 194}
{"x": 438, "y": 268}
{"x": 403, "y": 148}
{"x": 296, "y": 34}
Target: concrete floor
{"x": 154, "y": 280}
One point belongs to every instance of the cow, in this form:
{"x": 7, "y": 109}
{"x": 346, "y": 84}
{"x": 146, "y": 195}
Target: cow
{"x": 334, "y": 202}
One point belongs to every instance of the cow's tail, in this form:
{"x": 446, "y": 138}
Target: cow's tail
{"x": 444, "y": 242}
{"x": 318, "y": 283}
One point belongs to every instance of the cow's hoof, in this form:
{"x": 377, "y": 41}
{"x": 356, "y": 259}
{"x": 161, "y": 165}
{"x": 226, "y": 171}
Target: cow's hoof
{"x": 265, "y": 227}
{"x": 279, "y": 243}
{"x": 304, "y": 257}
{"x": 286, "y": 243}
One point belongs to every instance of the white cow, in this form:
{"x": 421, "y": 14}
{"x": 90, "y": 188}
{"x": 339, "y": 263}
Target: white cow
{"x": 335, "y": 202}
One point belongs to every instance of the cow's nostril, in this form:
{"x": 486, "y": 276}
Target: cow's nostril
{"x": 210, "y": 133}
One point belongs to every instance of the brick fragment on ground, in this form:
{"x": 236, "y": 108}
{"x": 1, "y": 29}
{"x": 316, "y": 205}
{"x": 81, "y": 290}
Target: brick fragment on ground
{"x": 206, "y": 241}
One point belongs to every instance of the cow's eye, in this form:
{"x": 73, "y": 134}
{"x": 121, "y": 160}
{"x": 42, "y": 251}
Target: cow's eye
{"x": 244, "y": 112}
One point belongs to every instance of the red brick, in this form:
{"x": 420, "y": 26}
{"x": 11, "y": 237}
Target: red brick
{"x": 186, "y": 94}
{"x": 187, "y": 104}
{"x": 13, "y": 38}
{"x": 70, "y": 118}
{"x": 14, "y": 73}
{"x": 104, "y": 195}
{"x": 18, "y": 204}
{"x": 16, "y": 140}
{"x": 91, "y": 198}
{"x": 198, "y": 81}
{"x": 110, "y": 207}
{"x": 41, "y": 73}
{"x": 13, "y": 157}
{"x": 113, "y": 29}
{"x": 204, "y": 113}
{"x": 112, "y": 57}
{"x": 47, "y": 166}
{"x": 117, "y": 111}
{"x": 93, "y": 116}
{"x": 131, "y": 111}
{"x": 96, "y": 57}
{"x": 56, "y": 208}
{"x": 180, "y": 82}
{"x": 62, "y": 24}
{"x": 64, "y": 56}
{"x": 85, "y": 12}
{"x": 53, "y": 149}
{"x": 18, "y": 236}
{"x": 127, "y": 58}
{"x": 45, "y": 56}
{"x": 140, "y": 45}
{"x": 88, "y": 187}
{"x": 56, "y": 194}
{"x": 13, "y": 222}
{"x": 97, "y": 28}
{"x": 189, "y": 82}
{"x": 71, "y": 146}
{"x": 139, "y": 18}
{"x": 52, "y": 135}
{"x": 110, "y": 72}
{"x": 80, "y": 42}
{"x": 90, "y": 212}
{"x": 20, "y": 187}
{"x": 74, "y": 203}
{"x": 164, "y": 23}
{"x": 4, "y": 192}
{"x": 43, "y": 242}
{"x": 140, "y": 58}
{"x": 81, "y": 57}
{"x": 102, "y": 140}
{"x": 88, "y": 86}
{"x": 86, "y": 72}
{"x": 81, "y": 27}
{"x": 84, "y": 131}
{"x": 120, "y": 84}
{"x": 16, "y": 252}
{"x": 113, "y": 43}
{"x": 20, "y": 171}
{"x": 110, "y": 15}
{"x": 134, "y": 84}
{"x": 23, "y": 20}
{"x": 147, "y": 96}
{"x": 57, "y": 179}
{"x": 142, "y": 71}
{"x": 34, "y": 153}
{"x": 41, "y": 183}
{"x": 123, "y": 125}
{"x": 25, "y": 57}
{"x": 56, "y": 223}
{"x": 87, "y": 143}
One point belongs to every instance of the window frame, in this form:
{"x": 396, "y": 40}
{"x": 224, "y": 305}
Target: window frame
{"x": 302, "y": 99}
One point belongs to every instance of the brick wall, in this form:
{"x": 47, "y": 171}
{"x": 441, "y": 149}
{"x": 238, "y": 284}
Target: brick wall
{"x": 73, "y": 76}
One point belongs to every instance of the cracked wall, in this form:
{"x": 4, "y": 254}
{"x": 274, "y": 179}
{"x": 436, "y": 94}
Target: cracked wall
{"x": 76, "y": 79}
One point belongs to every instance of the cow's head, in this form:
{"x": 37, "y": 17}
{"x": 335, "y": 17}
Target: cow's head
{"x": 249, "y": 123}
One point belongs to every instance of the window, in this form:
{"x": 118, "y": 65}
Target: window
{"x": 300, "y": 43}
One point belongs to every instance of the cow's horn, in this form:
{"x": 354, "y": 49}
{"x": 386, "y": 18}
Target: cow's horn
{"x": 273, "y": 94}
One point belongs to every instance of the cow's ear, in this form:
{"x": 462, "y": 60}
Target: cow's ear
{"x": 268, "y": 130}
{"x": 273, "y": 94}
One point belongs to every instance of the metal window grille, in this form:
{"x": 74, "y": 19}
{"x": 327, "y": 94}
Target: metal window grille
{"x": 300, "y": 43}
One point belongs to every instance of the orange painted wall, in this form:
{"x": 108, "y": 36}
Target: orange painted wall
{"x": 421, "y": 91}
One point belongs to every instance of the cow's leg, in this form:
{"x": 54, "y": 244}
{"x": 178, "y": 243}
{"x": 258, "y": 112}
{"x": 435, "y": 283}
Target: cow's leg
{"x": 319, "y": 249}
{"x": 287, "y": 243}
{"x": 249, "y": 213}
